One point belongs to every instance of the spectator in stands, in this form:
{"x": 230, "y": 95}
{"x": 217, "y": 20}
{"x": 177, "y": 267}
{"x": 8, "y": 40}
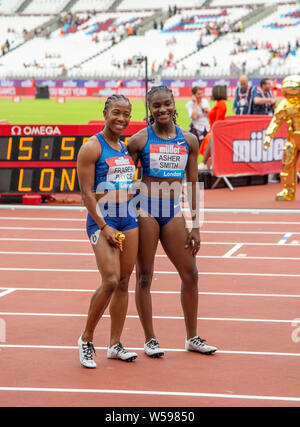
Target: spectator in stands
{"x": 243, "y": 97}
{"x": 198, "y": 109}
{"x": 263, "y": 101}
{"x": 218, "y": 112}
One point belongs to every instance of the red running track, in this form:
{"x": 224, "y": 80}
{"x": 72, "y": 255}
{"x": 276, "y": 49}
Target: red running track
{"x": 248, "y": 307}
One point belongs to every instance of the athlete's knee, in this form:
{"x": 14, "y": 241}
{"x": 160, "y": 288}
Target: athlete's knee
{"x": 190, "y": 277}
{"x": 110, "y": 283}
{"x": 144, "y": 279}
{"x": 124, "y": 282}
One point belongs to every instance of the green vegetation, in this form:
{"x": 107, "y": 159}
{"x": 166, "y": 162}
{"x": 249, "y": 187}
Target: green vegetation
{"x": 75, "y": 111}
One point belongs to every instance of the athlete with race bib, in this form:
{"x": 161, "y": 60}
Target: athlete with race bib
{"x": 167, "y": 153}
{"x": 105, "y": 173}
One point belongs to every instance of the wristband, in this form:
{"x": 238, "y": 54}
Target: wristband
{"x": 102, "y": 228}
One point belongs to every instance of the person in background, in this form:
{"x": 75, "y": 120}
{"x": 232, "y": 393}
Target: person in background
{"x": 263, "y": 101}
{"x": 198, "y": 109}
{"x": 218, "y": 112}
{"x": 243, "y": 97}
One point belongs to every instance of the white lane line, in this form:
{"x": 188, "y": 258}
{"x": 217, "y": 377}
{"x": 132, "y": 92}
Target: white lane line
{"x": 83, "y": 219}
{"x": 245, "y": 232}
{"x": 58, "y": 229}
{"x": 47, "y": 253}
{"x": 135, "y": 316}
{"x": 152, "y": 393}
{"x": 285, "y": 238}
{"x": 202, "y": 273}
{"x": 43, "y": 228}
{"x": 43, "y": 208}
{"x": 26, "y": 239}
{"x": 239, "y": 294}
{"x": 233, "y": 250}
{"x": 91, "y": 254}
{"x": 81, "y": 208}
{"x": 7, "y": 291}
{"x": 179, "y": 350}
{"x": 49, "y": 219}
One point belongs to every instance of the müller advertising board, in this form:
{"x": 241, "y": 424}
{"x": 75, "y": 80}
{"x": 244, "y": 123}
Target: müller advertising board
{"x": 41, "y": 159}
{"x": 238, "y": 147}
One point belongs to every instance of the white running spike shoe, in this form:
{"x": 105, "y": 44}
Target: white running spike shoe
{"x": 198, "y": 344}
{"x": 117, "y": 351}
{"x": 152, "y": 348}
{"x": 86, "y": 350}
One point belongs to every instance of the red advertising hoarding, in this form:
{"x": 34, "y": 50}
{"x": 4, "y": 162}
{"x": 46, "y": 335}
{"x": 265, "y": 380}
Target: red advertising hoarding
{"x": 237, "y": 147}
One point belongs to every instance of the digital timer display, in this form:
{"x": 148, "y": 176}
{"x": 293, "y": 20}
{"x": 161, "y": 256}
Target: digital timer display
{"x": 43, "y": 159}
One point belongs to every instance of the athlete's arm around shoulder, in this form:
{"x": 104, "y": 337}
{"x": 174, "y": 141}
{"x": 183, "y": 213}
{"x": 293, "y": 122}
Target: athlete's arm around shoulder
{"x": 136, "y": 144}
{"x": 88, "y": 155}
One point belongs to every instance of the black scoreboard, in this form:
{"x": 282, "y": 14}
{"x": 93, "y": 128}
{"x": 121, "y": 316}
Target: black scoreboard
{"x": 39, "y": 164}
{"x": 42, "y": 159}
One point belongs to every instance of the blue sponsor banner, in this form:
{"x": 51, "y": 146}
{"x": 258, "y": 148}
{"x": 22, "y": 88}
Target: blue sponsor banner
{"x": 129, "y": 83}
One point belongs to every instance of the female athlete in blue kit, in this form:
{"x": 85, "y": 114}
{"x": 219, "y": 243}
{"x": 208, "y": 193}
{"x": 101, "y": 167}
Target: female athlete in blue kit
{"x": 105, "y": 173}
{"x": 166, "y": 152}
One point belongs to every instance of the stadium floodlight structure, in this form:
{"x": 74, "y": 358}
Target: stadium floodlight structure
{"x": 140, "y": 60}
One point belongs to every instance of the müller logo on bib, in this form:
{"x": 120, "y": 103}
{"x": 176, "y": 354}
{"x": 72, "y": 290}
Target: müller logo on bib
{"x": 122, "y": 161}
{"x": 168, "y": 149}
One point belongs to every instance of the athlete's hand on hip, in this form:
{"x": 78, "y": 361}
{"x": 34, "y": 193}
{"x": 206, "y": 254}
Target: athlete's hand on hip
{"x": 110, "y": 234}
{"x": 193, "y": 241}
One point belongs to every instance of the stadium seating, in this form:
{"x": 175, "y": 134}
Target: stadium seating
{"x": 98, "y": 5}
{"x": 42, "y": 57}
{"x": 10, "y": 6}
{"x": 194, "y": 42}
{"x": 241, "y": 2}
{"x": 158, "y": 4}
{"x": 231, "y": 60}
{"x": 163, "y": 48}
{"x": 45, "y": 6}
{"x": 14, "y": 28}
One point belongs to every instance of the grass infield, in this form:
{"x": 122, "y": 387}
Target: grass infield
{"x": 76, "y": 111}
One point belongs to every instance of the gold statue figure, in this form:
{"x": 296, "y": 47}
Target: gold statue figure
{"x": 287, "y": 111}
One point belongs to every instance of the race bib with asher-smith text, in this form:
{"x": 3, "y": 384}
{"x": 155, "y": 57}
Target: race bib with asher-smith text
{"x": 168, "y": 160}
{"x": 121, "y": 170}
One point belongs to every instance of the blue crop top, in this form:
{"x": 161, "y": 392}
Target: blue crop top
{"x": 114, "y": 170}
{"x": 164, "y": 158}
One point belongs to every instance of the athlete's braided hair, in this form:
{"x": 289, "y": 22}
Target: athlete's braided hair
{"x": 153, "y": 91}
{"x": 111, "y": 99}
